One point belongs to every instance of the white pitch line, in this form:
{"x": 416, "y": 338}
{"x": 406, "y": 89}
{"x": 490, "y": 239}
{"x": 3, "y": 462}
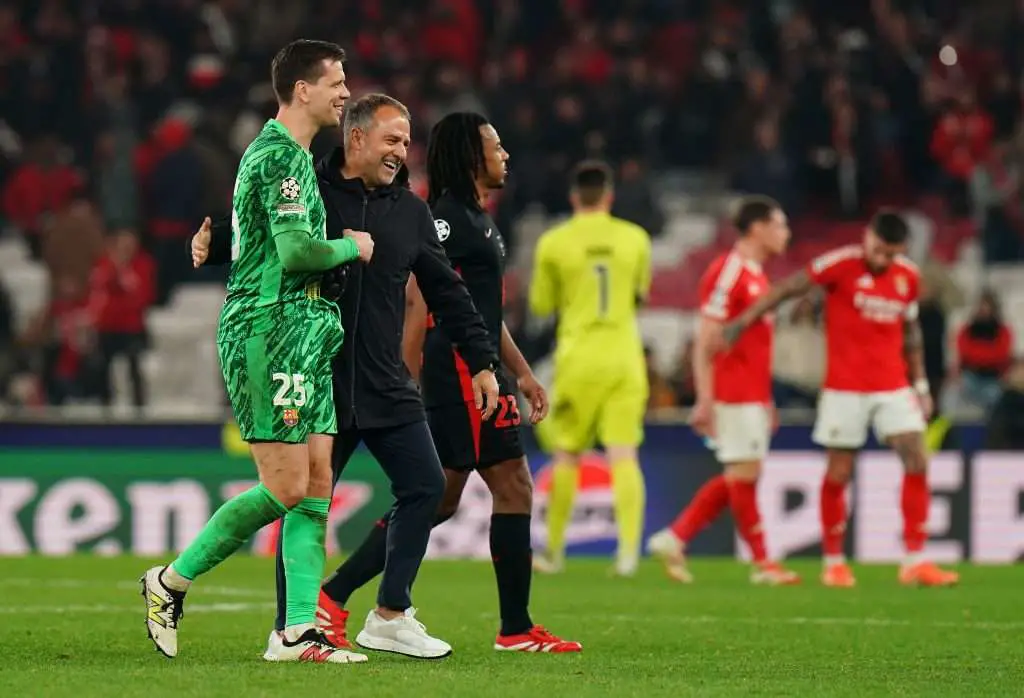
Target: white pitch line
{"x": 681, "y": 620}
{"x": 126, "y": 585}
{"x": 801, "y": 620}
{"x": 110, "y": 608}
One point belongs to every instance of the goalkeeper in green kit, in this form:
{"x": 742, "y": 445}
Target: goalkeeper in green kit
{"x": 276, "y": 340}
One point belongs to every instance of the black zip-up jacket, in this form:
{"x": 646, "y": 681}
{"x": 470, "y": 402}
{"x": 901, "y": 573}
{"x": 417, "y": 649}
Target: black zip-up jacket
{"x": 372, "y": 385}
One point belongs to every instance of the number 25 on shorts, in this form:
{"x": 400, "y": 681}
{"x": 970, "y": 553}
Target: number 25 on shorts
{"x": 508, "y": 412}
{"x": 291, "y": 390}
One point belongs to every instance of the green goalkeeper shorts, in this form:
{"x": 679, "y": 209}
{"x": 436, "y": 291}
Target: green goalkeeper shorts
{"x": 279, "y": 383}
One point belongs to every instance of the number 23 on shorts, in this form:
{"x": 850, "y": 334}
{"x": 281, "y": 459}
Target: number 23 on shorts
{"x": 508, "y": 412}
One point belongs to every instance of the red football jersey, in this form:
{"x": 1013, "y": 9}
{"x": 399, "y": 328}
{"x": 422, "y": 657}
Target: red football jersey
{"x": 744, "y": 372}
{"x": 864, "y": 315}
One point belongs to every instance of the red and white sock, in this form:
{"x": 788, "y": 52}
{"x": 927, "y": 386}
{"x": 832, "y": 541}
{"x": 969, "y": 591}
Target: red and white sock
{"x": 703, "y": 509}
{"x": 833, "y": 520}
{"x": 914, "y": 502}
{"x": 743, "y": 500}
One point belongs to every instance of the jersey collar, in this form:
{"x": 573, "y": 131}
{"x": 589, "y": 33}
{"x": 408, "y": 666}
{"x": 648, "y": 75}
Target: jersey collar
{"x": 275, "y": 125}
{"x": 751, "y": 265}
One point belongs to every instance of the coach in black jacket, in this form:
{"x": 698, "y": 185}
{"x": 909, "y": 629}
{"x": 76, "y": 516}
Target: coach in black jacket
{"x": 377, "y": 401}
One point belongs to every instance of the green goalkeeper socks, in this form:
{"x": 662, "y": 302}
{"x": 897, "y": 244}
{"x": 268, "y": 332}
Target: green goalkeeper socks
{"x": 228, "y": 529}
{"x": 305, "y": 528}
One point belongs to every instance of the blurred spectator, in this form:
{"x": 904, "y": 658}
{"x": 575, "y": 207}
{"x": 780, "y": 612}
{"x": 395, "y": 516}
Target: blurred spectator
{"x": 1004, "y": 104}
{"x": 995, "y": 201}
{"x": 174, "y": 197}
{"x": 938, "y": 283}
{"x": 798, "y": 357}
{"x": 634, "y": 198}
{"x": 64, "y": 333}
{"x": 452, "y": 32}
{"x": 984, "y": 346}
{"x": 122, "y": 288}
{"x": 830, "y": 108}
{"x": 961, "y": 140}
{"x": 114, "y": 179}
{"x": 682, "y": 378}
{"x": 661, "y": 394}
{"x": 7, "y": 343}
{"x": 38, "y": 189}
{"x": 1006, "y": 422}
{"x": 843, "y": 160}
{"x": 769, "y": 169}
{"x": 932, "y": 317}
{"x": 73, "y": 239}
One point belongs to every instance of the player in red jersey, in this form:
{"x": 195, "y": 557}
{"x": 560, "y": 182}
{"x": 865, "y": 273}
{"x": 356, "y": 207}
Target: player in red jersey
{"x": 873, "y": 340}
{"x": 734, "y": 395}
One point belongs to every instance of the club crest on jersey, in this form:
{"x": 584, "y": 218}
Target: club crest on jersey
{"x": 290, "y": 188}
{"x": 442, "y": 228}
{"x": 902, "y": 287}
{"x": 291, "y": 417}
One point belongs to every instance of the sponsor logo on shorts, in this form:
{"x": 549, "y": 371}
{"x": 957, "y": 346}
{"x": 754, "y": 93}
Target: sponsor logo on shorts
{"x": 291, "y": 417}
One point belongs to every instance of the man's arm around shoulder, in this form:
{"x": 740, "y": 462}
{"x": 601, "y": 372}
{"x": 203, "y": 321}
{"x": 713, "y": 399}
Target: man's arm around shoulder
{"x": 795, "y": 285}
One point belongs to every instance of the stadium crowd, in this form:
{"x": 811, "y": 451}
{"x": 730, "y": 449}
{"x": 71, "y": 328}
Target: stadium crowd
{"x": 123, "y": 121}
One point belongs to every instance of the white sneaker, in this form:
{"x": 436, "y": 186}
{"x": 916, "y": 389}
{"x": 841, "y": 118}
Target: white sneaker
{"x": 665, "y": 545}
{"x": 163, "y": 611}
{"x": 546, "y": 563}
{"x": 626, "y": 565}
{"x": 401, "y": 635}
{"x": 312, "y": 646}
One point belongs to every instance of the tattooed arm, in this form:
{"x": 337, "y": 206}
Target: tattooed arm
{"x": 913, "y": 351}
{"x": 795, "y": 285}
{"x": 913, "y": 354}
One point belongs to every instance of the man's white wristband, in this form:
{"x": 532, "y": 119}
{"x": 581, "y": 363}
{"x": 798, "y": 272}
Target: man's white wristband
{"x": 922, "y": 387}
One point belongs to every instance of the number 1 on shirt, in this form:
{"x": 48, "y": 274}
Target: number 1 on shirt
{"x": 602, "y": 289}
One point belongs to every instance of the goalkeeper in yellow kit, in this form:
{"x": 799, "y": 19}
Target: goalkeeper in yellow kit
{"x": 592, "y": 272}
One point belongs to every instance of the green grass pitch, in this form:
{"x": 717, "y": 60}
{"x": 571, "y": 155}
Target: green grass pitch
{"x": 74, "y": 627}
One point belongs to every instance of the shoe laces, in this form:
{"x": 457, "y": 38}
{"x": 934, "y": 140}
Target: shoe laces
{"x": 174, "y": 608}
{"x": 321, "y": 639}
{"x": 542, "y": 634}
{"x": 409, "y": 618}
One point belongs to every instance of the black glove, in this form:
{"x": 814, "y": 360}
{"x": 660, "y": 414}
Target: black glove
{"x": 333, "y": 282}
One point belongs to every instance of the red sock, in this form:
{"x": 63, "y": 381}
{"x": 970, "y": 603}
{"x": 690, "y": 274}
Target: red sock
{"x": 833, "y": 516}
{"x": 704, "y": 508}
{"x": 915, "y": 502}
{"x": 743, "y": 500}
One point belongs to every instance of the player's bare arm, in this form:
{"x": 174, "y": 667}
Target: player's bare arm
{"x": 913, "y": 353}
{"x": 795, "y": 285}
{"x": 532, "y": 389}
{"x": 449, "y": 300}
{"x": 414, "y": 333}
{"x": 709, "y": 338}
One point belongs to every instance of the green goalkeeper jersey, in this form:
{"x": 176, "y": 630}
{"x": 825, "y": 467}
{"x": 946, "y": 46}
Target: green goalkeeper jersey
{"x": 275, "y": 193}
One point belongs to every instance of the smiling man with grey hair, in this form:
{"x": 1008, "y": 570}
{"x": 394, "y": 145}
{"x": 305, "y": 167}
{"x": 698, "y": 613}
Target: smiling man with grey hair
{"x": 362, "y": 114}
